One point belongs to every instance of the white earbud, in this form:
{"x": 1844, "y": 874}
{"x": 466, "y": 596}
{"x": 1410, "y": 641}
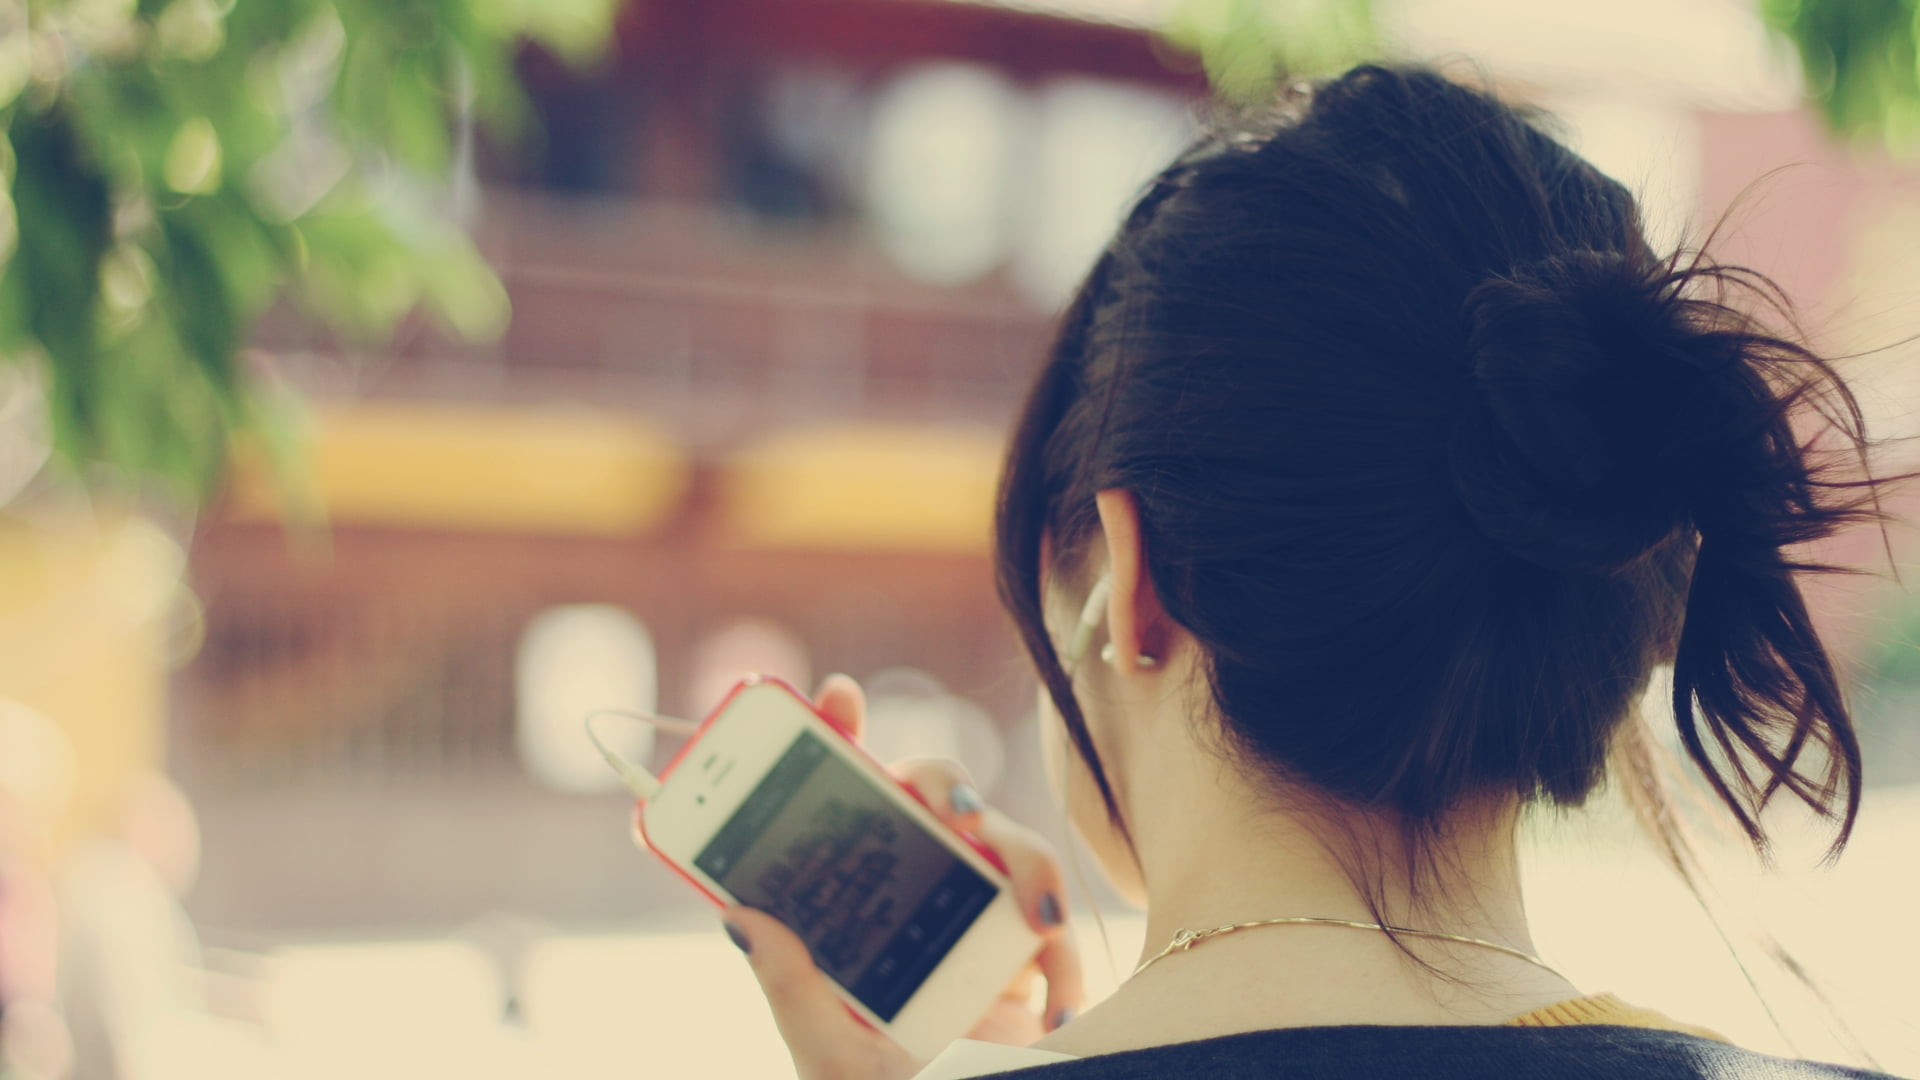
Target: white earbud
{"x": 1140, "y": 660}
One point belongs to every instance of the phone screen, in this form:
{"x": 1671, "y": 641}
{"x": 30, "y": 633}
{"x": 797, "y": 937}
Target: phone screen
{"x": 877, "y": 899}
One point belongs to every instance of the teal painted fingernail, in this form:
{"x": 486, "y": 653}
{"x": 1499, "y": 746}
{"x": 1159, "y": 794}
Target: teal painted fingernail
{"x": 964, "y": 799}
{"x": 738, "y": 937}
{"x": 1050, "y": 911}
{"x": 1060, "y": 1018}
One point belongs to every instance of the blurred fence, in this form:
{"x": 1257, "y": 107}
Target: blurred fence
{"x": 677, "y": 312}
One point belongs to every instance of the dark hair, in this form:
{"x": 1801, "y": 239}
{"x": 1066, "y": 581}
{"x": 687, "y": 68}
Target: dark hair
{"x": 1437, "y": 459}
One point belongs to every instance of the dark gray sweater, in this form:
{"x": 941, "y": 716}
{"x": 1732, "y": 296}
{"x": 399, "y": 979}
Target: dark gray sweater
{"x": 1583, "y": 1052}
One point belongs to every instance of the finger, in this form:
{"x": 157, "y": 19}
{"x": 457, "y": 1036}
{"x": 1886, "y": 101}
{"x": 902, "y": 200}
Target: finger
{"x": 948, "y": 789}
{"x": 1033, "y": 868}
{"x": 1030, "y": 860}
{"x": 822, "y": 1035}
{"x": 842, "y": 700}
{"x": 1059, "y": 961}
{"x": 1010, "y": 1022}
{"x": 1020, "y": 987}
{"x": 1013, "y": 1017}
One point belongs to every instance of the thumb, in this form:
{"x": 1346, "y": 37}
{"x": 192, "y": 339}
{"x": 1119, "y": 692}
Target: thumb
{"x": 824, "y": 1038}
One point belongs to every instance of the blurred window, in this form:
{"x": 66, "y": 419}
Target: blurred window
{"x": 740, "y": 647}
{"x": 572, "y": 660}
{"x": 910, "y": 714}
{"x": 790, "y": 140}
{"x": 1095, "y": 145}
{"x": 940, "y": 170}
{"x": 592, "y": 133}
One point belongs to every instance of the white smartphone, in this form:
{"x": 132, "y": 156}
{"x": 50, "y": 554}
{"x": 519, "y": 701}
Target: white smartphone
{"x": 772, "y": 806}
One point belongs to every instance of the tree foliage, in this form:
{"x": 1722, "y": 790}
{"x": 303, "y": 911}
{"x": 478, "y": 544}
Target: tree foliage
{"x": 1861, "y": 57}
{"x": 1247, "y": 46}
{"x": 170, "y": 168}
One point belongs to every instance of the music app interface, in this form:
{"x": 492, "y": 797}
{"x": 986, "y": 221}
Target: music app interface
{"x": 877, "y": 900}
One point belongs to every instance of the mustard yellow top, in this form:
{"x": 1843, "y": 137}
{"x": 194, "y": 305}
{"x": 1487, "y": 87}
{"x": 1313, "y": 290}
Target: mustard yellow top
{"x": 1607, "y": 1009}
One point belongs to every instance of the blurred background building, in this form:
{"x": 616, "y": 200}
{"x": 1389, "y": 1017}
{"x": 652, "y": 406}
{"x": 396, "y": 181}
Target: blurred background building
{"x": 780, "y": 271}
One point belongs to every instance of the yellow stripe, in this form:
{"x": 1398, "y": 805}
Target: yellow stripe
{"x": 1607, "y": 1009}
{"x": 547, "y": 470}
{"x": 864, "y": 487}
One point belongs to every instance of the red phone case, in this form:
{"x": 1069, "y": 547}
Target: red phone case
{"x": 639, "y": 805}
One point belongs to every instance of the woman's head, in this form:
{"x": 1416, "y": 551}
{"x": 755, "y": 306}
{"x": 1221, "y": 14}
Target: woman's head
{"x": 1435, "y": 459}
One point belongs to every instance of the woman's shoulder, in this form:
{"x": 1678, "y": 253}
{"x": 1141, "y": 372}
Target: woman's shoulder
{"x": 965, "y": 1059}
{"x": 1437, "y": 1053}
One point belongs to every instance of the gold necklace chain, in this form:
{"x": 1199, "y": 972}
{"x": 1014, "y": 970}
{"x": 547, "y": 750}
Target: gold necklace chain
{"x": 1186, "y": 939}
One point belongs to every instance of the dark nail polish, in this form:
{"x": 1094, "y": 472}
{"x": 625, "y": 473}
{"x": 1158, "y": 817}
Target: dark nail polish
{"x": 1050, "y": 914}
{"x": 964, "y": 799}
{"x": 1060, "y": 1018}
{"x": 738, "y": 937}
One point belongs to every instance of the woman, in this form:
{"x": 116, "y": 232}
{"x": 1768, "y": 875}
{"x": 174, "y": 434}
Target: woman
{"x": 1394, "y": 461}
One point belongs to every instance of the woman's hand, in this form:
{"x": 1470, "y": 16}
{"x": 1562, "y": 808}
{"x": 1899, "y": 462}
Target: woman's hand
{"x": 827, "y": 1041}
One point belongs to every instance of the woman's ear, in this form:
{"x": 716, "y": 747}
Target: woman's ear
{"x": 1136, "y": 624}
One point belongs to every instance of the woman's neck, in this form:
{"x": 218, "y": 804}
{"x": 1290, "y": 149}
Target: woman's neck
{"x": 1224, "y": 858}
{"x": 1215, "y": 852}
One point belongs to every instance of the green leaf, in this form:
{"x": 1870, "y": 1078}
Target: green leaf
{"x": 1861, "y": 62}
{"x": 197, "y": 299}
{"x": 1248, "y": 46}
{"x": 193, "y": 158}
{"x": 467, "y": 294}
{"x": 63, "y": 204}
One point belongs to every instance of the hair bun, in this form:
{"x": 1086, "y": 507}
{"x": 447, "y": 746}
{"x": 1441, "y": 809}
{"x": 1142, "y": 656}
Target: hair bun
{"x": 1551, "y": 454}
